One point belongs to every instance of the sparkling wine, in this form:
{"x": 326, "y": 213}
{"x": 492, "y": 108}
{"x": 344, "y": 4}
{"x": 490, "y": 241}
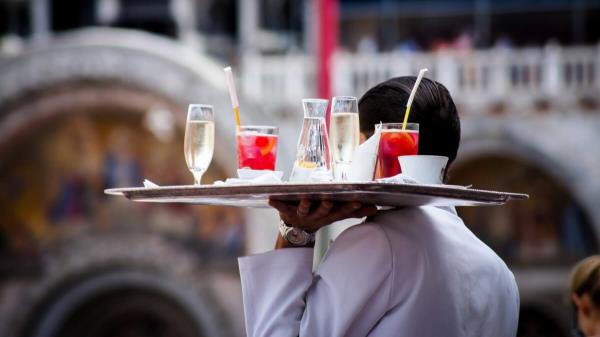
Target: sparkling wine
{"x": 344, "y": 136}
{"x": 198, "y": 146}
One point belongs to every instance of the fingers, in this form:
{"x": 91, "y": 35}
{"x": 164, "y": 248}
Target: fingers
{"x": 353, "y": 210}
{"x": 303, "y": 208}
{"x": 323, "y": 209}
{"x": 350, "y": 207}
{"x": 342, "y": 212}
{"x": 327, "y": 212}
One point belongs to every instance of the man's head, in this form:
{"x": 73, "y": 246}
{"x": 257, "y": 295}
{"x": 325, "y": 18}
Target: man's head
{"x": 432, "y": 108}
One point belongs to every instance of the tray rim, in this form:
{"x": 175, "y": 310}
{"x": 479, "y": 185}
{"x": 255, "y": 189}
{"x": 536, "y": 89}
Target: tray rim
{"x": 283, "y": 189}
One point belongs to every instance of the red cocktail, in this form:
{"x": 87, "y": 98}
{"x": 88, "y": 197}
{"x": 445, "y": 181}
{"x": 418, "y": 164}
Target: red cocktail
{"x": 395, "y": 142}
{"x": 257, "y": 147}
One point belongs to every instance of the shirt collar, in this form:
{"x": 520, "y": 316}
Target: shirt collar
{"x": 450, "y": 209}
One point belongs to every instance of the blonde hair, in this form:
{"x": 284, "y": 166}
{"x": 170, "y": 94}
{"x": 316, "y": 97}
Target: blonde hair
{"x": 585, "y": 278}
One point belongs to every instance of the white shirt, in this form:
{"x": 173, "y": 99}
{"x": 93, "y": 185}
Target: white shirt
{"x": 414, "y": 272}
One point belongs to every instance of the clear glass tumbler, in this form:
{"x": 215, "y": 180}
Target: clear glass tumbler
{"x": 257, "y": 147}
{"x": 395, "y": 142}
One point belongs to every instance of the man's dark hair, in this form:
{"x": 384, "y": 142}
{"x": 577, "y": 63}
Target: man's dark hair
{"x": 432, "y": 108}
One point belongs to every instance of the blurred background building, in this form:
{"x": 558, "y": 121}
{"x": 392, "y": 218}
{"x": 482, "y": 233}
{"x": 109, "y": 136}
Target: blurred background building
{"x": 93, "y": 95}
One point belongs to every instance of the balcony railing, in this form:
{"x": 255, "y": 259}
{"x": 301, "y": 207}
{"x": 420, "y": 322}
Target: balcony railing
{"x": 479, "y": 79}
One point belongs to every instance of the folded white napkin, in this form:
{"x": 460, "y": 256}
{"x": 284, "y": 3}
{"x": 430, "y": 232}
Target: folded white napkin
{"x": 398, "y": 179}
{"x": 402, "y": 178}
{"x": 149, "y": 184}
{"x": 365, "y": 158}
{"x": 248, "y": 174}
{"x": 268, "y": 177}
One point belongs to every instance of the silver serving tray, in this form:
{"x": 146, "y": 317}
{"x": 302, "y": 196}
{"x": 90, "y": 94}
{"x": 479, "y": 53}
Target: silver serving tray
{"x": 382, "y": 194}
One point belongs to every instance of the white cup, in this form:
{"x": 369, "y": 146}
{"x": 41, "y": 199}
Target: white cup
{"x": 424, "y": 169}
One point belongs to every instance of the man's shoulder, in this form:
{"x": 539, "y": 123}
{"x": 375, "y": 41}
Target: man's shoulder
{"x": 366, "y": 233}
{"x": 359, "y": 243}
{"x": 427, "y": 231}
{"x": 387, "y": 226}
{"x": 420, "y": 213}
{"x": 413, "y": 220}
{"x": 392, "y": 233}
{"x": 373, "y": 239}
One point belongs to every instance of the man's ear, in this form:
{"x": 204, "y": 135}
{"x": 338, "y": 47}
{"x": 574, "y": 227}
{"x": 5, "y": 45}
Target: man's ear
{"x": 576, "y": 299}
{"x": 583, "y": 303}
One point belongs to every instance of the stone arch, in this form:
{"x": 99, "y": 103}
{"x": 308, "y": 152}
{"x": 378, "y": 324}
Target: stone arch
{"x": 554, "y": 148}
{"x": 146, "y": 266}
{"x": 85, "y": 66}
{"x": 561, "y": 146}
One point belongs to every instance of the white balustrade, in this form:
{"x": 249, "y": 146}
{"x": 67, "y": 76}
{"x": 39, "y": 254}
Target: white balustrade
{"x": 476, "y": 79}
{"x": 278, "y": 81}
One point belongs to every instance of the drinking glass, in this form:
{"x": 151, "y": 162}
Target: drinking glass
{"x": 257, "y": 147}
{"x": 395, "y": 142}
{"x": 199, "y": 140}
{"x": 345, "y": 134}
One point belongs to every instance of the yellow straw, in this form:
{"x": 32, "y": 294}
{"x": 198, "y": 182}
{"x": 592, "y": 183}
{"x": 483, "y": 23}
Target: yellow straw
{"x": 233, "y": 95}
{"x": 412, "y": 97}
{"x": 236, "y": 111}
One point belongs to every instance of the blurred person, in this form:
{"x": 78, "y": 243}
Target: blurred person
{"x": 415, "y": 271}
{"x": 572, "y": 223}
{"x": 367, "y": 45}
{"x": 585, "y": 296}
{"x": 208, "y": 220}
{"x": 464, "y": 41}
{"x": 233, "y": 236}
{"x": 407, "y": 46}
{"x": 538, "y": 237}
{"x": 76, "y": 160}
{"x": 121, "y": 166}
{"x": 504, "y": 42}
{"x": 440, "y": 45}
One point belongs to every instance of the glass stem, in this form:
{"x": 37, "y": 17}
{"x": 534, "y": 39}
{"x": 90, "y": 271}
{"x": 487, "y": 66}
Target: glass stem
{"x": 197, "y": 177}
{"x": 341, "y": 171}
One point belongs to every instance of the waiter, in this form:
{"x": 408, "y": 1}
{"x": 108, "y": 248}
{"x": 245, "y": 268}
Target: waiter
{"x": 414, "y": 272}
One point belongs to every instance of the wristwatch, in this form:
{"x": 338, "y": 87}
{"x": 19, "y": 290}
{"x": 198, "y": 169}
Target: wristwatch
{"x": 294, "y": 235}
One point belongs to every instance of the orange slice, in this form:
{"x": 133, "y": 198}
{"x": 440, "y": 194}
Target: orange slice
{"x": 265, "y": 144}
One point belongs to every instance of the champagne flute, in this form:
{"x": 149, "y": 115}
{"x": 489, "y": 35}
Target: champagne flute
{"x": 199, "y": 140}
{"x": 345, "y": 134}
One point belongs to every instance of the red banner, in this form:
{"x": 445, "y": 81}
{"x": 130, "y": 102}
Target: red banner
{"x": 328, "y": 40}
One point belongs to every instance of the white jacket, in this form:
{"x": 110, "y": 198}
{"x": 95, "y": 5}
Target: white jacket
{"x": 414, "y": 272}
